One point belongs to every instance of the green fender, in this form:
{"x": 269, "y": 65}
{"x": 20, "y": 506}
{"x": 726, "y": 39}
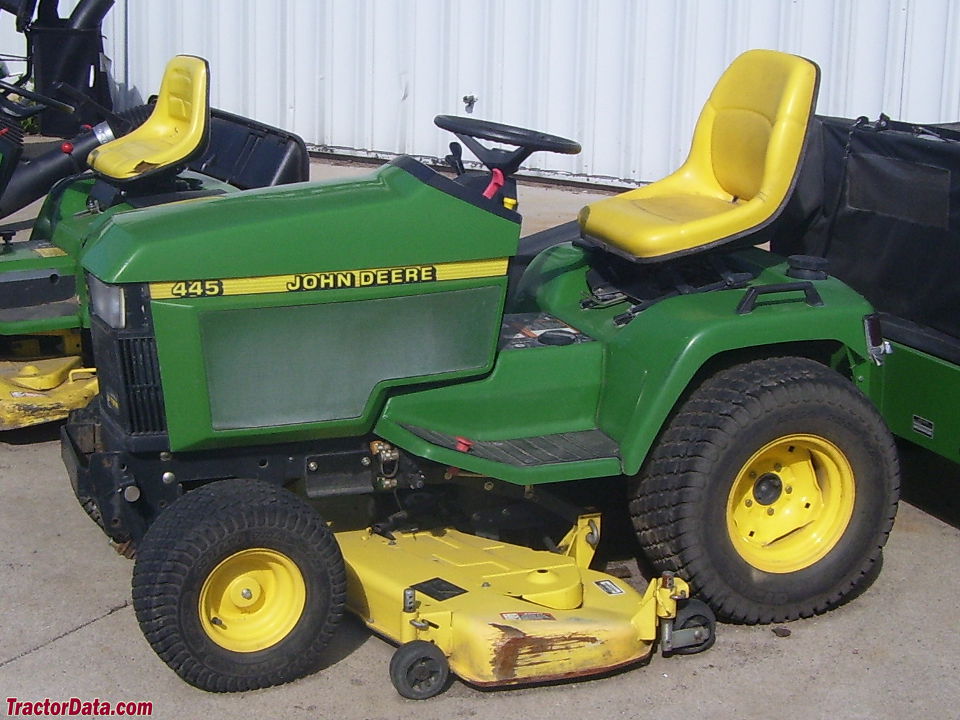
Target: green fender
{"x": 651, "y": 362}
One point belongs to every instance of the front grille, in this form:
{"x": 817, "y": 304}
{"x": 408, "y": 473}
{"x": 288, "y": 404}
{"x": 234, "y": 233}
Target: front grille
{"x": 142, "y": 400}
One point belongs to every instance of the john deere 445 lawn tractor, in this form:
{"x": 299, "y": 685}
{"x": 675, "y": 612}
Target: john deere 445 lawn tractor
{"x": 380, "y": 348}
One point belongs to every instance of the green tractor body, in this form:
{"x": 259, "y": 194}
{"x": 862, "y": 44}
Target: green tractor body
{"x": 282, "y": 333}
{"x": 376, "y": 306}
{"x": 392, "y": 338}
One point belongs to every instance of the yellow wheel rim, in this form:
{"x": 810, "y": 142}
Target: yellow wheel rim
{"x": 790, "y": 503}
{"x": 252, "y": 600}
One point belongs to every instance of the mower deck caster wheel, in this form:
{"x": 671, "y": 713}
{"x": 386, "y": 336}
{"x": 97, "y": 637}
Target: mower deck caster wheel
{"x": 695, "y": 615}
{"x": 419, "y": 670}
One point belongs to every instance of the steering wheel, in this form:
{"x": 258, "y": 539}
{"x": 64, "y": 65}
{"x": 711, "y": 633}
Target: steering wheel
{"x": 22, "y": 110}
{"x": 508, "y": 162}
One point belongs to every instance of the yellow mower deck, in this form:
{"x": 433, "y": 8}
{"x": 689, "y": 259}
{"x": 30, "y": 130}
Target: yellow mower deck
{"x": 39, "y": 391}
{"x": 502, "y": 614}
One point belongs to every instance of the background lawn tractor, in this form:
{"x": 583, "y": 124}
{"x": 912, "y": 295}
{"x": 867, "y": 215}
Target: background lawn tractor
{"x": 379, "y": 347}
{"x": 45, "y": 359}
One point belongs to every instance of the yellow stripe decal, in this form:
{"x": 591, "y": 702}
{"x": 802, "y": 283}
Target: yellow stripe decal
{"x": 336, "y": 280}
{"x": 49, "y": 252}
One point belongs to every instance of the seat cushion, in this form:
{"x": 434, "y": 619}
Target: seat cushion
{"x": 649, "y": 225}
{"x": 136, "y": 156}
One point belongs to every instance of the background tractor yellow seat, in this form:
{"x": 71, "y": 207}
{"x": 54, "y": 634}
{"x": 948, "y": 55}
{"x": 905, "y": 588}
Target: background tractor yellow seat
{"x": 176, "y": 131}
{"x": 746, "y": 152}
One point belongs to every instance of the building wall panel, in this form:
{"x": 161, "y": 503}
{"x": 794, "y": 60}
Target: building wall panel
{"x": 626, "y": 78}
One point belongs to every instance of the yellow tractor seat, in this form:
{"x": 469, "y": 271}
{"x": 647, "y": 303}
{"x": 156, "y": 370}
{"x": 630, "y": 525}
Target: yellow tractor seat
{"x": 176, "y": 131}
{"x": 742, "y": 166}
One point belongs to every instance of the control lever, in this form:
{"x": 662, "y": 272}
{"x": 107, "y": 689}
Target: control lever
{"x": 119, "y": 125}
{"x": 23, "y": 110}
{"x": 455, "y": 158}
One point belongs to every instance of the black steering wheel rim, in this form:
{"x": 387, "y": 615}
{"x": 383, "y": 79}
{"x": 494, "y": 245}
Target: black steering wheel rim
{"x": 532, "y": 140}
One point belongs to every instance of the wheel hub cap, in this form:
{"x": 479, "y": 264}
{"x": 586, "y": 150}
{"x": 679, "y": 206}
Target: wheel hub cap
{"x": 252, "y": 600}
{"x": 767, "y": 489}
{"x": 422, "y": 672}
{"x": 244, "y": 591}
{"x": 790, "y": 503}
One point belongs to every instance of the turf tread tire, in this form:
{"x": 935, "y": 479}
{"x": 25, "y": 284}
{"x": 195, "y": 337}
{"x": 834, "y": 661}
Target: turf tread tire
{"x": 667, "y": 497}
{"x": 190, "y": 538}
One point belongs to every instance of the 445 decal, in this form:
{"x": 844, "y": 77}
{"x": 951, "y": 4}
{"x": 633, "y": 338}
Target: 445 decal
{"x": 196, "y": 288}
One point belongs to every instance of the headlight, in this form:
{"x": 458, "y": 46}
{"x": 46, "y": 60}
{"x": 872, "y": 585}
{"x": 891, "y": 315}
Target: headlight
{"x": 107, "y": 302}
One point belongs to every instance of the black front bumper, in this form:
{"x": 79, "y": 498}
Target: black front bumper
{"x": 127, "y": 495}
{"x": 132, "y": 485}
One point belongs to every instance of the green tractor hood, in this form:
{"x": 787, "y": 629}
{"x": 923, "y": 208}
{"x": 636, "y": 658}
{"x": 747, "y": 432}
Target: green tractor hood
{"x": 316, "y": 299}
{"x": 388, "y": 218}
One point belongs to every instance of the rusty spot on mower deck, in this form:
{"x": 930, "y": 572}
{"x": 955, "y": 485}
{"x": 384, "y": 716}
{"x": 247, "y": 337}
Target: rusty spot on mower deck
{"x": 515, "y": 649}
{"x": 25, "y": 414}
{"x": 31, "y": 410}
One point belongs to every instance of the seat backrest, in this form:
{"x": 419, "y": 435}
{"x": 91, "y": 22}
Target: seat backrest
{"x": 183, "y": 100}
{"x": 176, "y": 131}
{"x": 754, "y": 123}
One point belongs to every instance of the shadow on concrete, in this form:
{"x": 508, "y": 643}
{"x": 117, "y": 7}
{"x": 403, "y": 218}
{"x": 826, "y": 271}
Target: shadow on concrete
{"x": 17, "y": 226}
{"x": 29, "y": 435}
{"x": 930, "y": 483}
{"x": 348, "y": 637}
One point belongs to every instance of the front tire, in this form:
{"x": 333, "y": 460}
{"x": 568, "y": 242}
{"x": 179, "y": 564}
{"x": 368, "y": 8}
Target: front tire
{"x": 239, "y": 585}
{"x": 771, "y": 491}
{"x": 695, "y": 614}
{"x": 419, "y": 670}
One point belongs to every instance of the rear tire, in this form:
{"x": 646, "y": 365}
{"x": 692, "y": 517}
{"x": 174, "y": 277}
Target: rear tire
{"x": 771, "y": 491}
{"x": 239, "y": 585}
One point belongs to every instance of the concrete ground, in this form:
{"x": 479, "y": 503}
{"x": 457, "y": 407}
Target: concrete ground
{"x": 67, "y": 627}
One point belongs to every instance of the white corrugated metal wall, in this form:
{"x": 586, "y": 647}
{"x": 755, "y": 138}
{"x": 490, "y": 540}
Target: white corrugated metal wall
{"x": 624, "y": 77}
